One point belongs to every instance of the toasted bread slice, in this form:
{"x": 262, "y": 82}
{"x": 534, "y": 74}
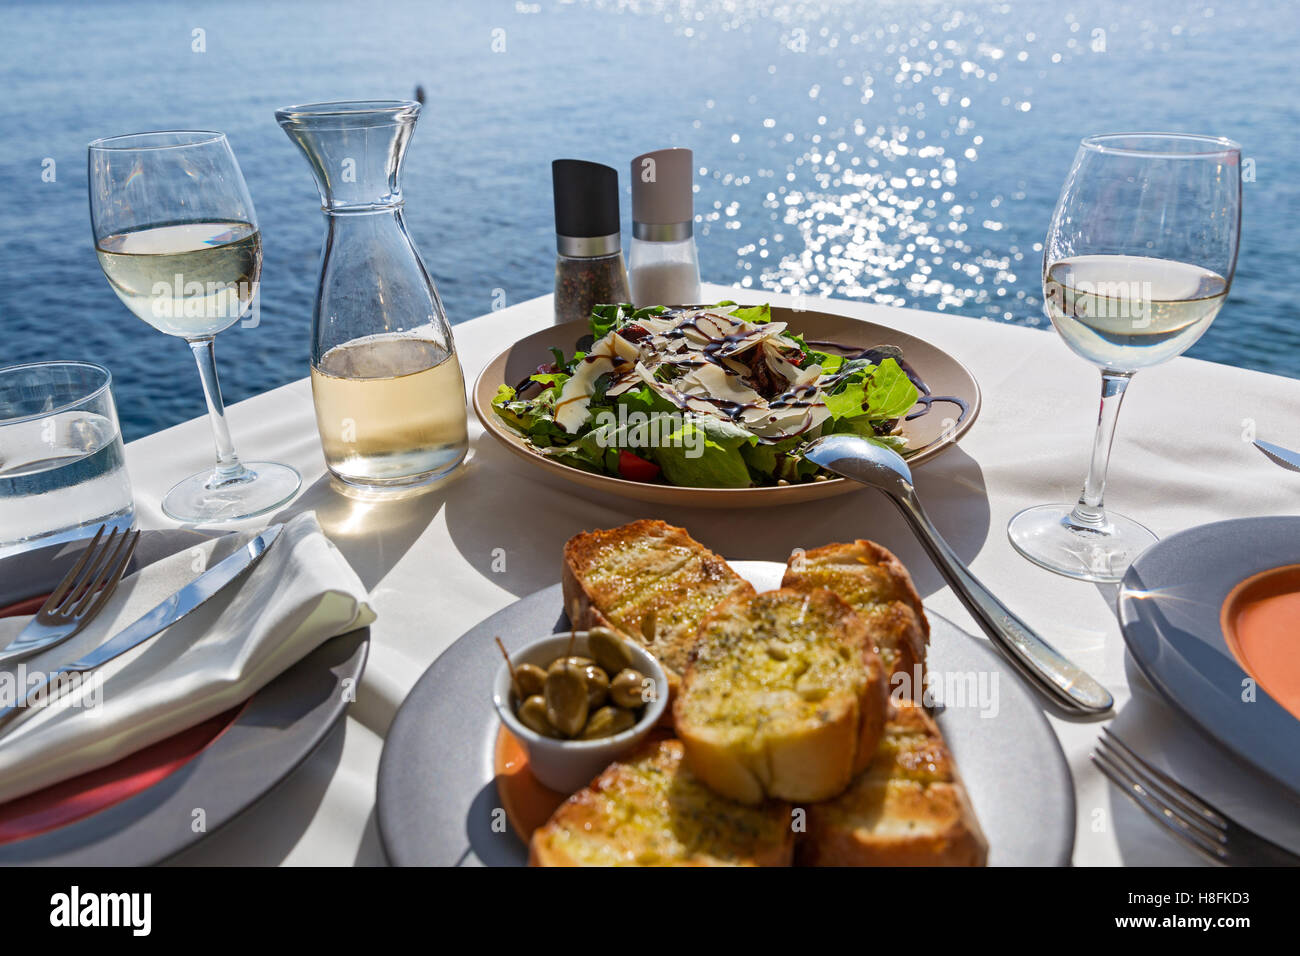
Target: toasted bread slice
{"x": 648, "y": 809}
{"x": 908, "y": 809}
{"x": 783, "y": 697}
{"x": 650, "y": 581}
{"x": 878, "y": 587}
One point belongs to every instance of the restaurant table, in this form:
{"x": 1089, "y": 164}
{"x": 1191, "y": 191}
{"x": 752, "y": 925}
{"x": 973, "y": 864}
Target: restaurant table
{"x": 439, "y": 563}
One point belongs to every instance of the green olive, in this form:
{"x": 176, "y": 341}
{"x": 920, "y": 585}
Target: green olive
{"x": 607, "y": 722}
{"x": 575, "y": 659}
{"x": 566, "y": 698}
{"x": 529, "y": 680}
{"x": 626, "y": 688}
{"x": 597, "y": 685}
{"x": 532, "y": 714}
{"x": 611, "y": 651}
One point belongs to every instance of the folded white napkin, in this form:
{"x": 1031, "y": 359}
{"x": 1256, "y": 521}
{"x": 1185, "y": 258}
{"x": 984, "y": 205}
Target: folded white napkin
{"x": 301, "y": 594}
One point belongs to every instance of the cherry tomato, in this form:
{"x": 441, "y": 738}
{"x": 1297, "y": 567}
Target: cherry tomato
{"x": 635, "y": 468}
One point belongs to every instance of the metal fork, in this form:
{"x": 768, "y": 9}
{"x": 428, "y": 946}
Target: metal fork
{"x": 1200, "y": 826}
{"x": 81, "y": 594}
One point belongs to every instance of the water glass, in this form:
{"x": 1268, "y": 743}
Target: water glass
{"x": 62, "y": 471}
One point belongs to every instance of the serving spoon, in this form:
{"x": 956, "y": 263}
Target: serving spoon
{"x": 853, "y": 457}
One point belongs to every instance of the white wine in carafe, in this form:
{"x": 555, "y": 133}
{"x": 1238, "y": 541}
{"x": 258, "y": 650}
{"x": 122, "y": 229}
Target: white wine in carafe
{"x": 390, "y": 410}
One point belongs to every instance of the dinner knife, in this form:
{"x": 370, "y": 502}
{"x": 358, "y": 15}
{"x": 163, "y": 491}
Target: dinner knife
{"x": 1285, "y": 457}
{"x": 203, "y": 588}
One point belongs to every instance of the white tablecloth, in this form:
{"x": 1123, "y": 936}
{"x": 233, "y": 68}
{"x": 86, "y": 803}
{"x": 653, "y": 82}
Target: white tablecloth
{"x": 434, "y": 563}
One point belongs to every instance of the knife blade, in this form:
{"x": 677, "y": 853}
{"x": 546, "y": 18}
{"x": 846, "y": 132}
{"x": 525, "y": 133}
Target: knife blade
{"x": 1283, "y": 456}
{"x": 203, "y": 588}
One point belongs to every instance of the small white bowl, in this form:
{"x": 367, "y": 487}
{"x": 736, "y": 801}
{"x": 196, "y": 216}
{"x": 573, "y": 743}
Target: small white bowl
{"x": 569, "y": 765}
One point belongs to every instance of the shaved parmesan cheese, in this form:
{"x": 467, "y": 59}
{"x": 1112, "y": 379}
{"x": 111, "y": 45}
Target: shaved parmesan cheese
{"x": 612, "y": 353}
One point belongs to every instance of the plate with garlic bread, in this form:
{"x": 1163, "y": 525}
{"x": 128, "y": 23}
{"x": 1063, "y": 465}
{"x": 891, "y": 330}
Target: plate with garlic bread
{"x": 806, "y": 714}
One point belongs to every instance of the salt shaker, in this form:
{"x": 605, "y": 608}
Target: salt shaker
{"x": 663, "y": 264}
{"x": 589, "y": 268}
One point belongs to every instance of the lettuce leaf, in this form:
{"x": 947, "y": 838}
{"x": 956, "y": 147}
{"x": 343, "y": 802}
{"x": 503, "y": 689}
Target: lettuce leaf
{"x": 757, "y": 314}
{"x": 876, "y": 394}
{"x": 891, "y": 393}
{"x": 705, "y": 453}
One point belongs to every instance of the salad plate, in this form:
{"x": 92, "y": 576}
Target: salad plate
{"x": 709, "y": 406}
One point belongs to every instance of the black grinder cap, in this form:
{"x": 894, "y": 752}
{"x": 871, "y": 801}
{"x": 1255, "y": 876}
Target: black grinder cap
{"x": 586, "y": 199}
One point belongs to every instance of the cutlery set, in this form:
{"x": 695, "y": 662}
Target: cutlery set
{"x": 87, "y": 587}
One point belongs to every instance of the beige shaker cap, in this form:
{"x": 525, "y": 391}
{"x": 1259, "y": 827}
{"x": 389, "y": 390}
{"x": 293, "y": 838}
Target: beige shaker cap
{"x": 661, "y": 187}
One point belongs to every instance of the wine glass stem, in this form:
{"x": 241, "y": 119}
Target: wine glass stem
{"x": 1090, "y": 512}
{"x": 228, "y": 468}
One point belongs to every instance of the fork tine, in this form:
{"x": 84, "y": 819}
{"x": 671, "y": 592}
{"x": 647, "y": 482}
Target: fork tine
{"x": 108, "y": 577}
{"x": 1142, "y": 772}
{"x": 1174, "y": 824}
{"x": 1173, "y": 788}
{"x": 119, "y": 566}
{"x": 56, "y": 595}
{"x": 83, "y": 586}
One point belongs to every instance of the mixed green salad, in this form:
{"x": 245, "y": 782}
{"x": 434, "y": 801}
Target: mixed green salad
{"x": 721, "y": 397}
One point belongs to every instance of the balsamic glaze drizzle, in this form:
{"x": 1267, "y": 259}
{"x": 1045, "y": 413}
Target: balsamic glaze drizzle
{"x": 877, "y": 355}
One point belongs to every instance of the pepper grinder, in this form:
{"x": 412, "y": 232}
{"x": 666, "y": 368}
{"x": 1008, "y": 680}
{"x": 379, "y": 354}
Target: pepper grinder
{"x": 589, "y": 268}
{"x": 663, "y": 264}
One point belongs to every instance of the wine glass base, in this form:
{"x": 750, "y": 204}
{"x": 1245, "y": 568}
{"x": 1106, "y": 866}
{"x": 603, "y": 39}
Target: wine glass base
{"x": 1048, "y": 536}
{"x": 268, "y": 485}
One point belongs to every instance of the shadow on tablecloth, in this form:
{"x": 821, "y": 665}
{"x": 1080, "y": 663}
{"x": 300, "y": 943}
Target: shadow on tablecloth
{"x": 373, "y": 535}
{"x": 510, "y": 522}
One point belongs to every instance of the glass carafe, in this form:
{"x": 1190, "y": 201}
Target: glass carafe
{"x": 388, "y": 388}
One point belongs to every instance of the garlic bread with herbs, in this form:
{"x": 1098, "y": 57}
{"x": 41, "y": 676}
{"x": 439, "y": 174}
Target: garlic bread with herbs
{"x": 650, "y": 581}
{"x": 878, "y": 587}
{"x": 649, "y": 809}
{"x": 908, "y": 809}
{"x": 783, "y": 697}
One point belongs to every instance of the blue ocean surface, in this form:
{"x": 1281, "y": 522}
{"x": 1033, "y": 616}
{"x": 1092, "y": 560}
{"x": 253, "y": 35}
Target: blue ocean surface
{"x": 903, "y": 151}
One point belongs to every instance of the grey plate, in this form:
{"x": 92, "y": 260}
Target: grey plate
{"x": 1169, "y": 608}
{"x": 437, "y": 800}
{"x": 279, "y": 728}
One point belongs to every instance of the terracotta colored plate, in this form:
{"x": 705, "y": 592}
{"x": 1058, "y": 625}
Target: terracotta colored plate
{"x": 941, "y": 426}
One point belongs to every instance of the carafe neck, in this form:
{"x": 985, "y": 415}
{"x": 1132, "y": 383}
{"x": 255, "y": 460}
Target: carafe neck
{"x": 355, "y": 151}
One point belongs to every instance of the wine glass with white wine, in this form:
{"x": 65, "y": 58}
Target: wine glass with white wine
{"x": 1138, "y": 261}
{"x": 178, "y": 241}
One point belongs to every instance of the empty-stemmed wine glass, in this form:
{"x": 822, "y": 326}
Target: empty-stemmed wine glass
{"x": 1138, "y": 261}
{"x": 178, "y": 241}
